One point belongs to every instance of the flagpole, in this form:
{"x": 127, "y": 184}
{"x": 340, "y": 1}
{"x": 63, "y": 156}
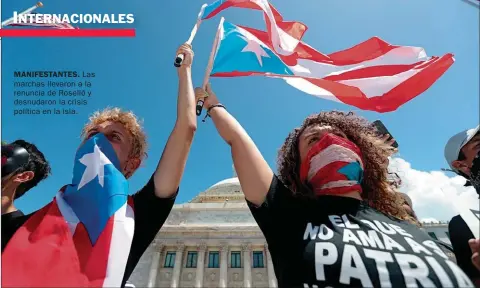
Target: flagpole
{"x": 209, "y": 68}
{"x": 179, "y": 58}
{"x": 29, "y": 10}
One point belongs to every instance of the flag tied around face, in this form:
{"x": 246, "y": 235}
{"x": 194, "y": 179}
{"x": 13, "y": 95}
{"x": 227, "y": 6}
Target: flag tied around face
{"x": 35, "y": 19}
{"x": 333, "y": 166}
{"x": 373, "y": 75}
{"x": 83, "y": 237}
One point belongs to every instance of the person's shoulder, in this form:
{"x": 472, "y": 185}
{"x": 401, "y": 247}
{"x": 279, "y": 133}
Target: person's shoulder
{"x": 14, "y": 220}
{"x": 456, "y": 220}
{"x": 13, "y": 216}
{"x": 456, "y": 223}
{"x": 370, "y": 213}
{"x": 279, "y": 195}
{"x": 277, "y": 183}
{"x": 147, "y": 193}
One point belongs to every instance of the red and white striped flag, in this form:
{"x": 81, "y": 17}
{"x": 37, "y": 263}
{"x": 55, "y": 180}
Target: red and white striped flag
{"x": 373, "y": 75}
{"x": 285, "y": 35}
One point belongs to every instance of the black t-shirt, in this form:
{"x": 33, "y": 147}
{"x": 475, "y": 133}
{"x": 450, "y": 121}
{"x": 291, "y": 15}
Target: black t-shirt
{"x": 341, "y": 242}
{"x": 150, "y": 214}
{"x": 459, "y": 236}
{"x": 10, "y": 223}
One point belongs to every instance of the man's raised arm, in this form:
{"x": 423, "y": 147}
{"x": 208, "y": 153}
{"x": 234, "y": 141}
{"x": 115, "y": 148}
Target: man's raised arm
{"x": 170, "y": 168}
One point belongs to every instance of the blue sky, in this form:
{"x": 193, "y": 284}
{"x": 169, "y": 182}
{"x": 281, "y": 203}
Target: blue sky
{"x": 138, "y": 74}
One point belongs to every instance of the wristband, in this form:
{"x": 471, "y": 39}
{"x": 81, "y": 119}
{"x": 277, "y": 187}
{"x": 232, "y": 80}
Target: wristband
{"x": 210, "y": 108}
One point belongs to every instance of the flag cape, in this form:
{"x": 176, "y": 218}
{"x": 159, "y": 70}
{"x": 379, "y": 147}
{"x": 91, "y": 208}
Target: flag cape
{"x": 373, "y": 75}
{"x": 53, "y": 249}
{"x": 285, "y": 35}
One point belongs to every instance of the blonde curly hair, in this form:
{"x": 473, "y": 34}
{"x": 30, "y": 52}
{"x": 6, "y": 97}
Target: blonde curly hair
{"x": 128, "y": 120}
{"x": 376, "y": 189}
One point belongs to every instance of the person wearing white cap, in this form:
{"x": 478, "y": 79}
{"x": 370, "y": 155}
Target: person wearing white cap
{"x": 462, "y": 153}
{"x": 461, "y": 150}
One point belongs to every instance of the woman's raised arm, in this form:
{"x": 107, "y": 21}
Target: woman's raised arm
{"x": 254, "y": 173}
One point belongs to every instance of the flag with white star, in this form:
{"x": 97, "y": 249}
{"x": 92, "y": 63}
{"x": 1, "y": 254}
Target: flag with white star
{"x": 83, "y": 237}
{"x": 240, "y": 51}
{"x": 98, "y": 187}
{"x": 373, "y": 75}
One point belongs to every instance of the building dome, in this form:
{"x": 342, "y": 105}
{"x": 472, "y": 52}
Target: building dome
{"x": 227, "y": 186}
{"x": 225, "y": 190}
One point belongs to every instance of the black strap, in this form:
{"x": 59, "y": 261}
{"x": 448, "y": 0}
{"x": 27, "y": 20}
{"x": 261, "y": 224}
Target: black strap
{"x": 210, "y": 108}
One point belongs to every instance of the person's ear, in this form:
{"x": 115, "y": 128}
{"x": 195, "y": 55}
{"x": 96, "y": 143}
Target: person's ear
{"x": 461, "y": 166}
{"x": 23, "y": 177}
{"x": 131, "y": 166}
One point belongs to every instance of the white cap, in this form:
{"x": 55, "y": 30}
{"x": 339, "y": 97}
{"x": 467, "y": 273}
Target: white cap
{"x": 456, "y": 143}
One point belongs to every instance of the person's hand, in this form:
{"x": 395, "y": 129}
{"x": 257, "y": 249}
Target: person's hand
{"x": 390, "y": 142}
{"x": 475, "y": 246}
{"x": 186, "y": 50}
{"x": 207, "y": 95}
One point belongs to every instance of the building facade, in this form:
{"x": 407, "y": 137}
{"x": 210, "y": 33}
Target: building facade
{"x": 214, "y": 241}
{"x": 438, "y": 231}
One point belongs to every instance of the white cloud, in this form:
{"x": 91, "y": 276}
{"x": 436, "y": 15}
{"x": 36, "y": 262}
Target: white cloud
{"x": 434, "y": 194}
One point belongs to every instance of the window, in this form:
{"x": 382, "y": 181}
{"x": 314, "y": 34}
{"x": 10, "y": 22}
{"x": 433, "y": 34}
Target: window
{"x": 258, "y": 259}
{"x": 170, "y": 260}
{"x": 191, "y": 260}
{"x": 213, "y": 259}
{"x": 432, "y": 234}
{"x": 448, "y": 235}
{"x": 235, "y": 260}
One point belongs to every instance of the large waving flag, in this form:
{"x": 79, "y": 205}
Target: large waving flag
{"x": 83, "y": 237}
{"x": 285, "y": 35}
{"x": 373, "y": 75}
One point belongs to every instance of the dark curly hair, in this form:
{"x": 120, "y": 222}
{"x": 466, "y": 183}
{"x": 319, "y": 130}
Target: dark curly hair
{"x": 377, "y": 191}
{"x": 36, "y": 163}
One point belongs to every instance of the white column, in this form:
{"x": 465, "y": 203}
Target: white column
{"x": 157, "y": 252}
{"x": 272, "y": 279}
{"x": 202, "y": 248}
{"x": 223, "y": 266}
{"x": 247, "y": 265}
{"x": 178, "y": 266}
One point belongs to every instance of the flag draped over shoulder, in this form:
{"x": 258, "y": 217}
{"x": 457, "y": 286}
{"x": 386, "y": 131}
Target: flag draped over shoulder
{"x": 35, "y": 19}
{"x": 373, "y": 75}
{"x": 83, "y": 237}
{"x": 284, "y": 35}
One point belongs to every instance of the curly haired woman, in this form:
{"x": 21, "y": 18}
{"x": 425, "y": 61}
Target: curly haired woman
{"x": 330, "y": 217}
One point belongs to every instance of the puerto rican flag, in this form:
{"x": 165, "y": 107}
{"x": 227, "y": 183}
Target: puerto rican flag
{"x": 284, "y": 35}
{"x": 373, "y": 75}
{"x": 83, "y": 237}
{"x": 335, "y": 166}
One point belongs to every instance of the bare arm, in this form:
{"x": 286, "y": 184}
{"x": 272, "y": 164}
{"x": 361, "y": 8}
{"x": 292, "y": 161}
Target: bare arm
{"x": 253, "y": 172}
{"x": 171, "y": 166}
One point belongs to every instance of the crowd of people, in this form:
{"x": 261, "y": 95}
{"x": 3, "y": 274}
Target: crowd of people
{"x": 330, "y": 215}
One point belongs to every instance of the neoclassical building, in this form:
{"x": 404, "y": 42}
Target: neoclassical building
{"x": 214, "y": 241}
{"x": 211, "y": 241}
